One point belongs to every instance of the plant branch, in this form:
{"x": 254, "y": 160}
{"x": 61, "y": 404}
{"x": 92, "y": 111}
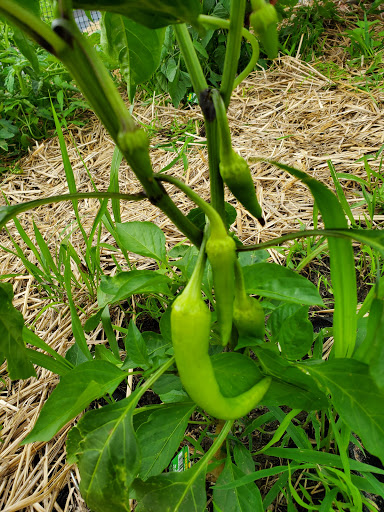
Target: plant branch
{"x": 233, "y": 49}
{"x": 67, "y": 43}
{"x": 221, "y": 23}
{"x": 191, "y": 61}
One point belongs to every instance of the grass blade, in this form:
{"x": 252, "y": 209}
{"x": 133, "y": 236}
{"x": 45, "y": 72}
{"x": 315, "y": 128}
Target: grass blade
{"x": 342, "y": 263}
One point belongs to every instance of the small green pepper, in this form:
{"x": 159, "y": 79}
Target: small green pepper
{"x": 190, "y": 330}
{"x": 237, "y": 176}
{"x": 264, "y": 20}
{"x": 248, "y": 314}
{"x": 233, "y": 168}
{"x": 221, "y": 252}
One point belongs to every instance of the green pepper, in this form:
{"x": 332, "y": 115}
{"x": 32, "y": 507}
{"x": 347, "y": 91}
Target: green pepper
{"x": 190, "y": 330}
{"x": 237, "y": 176}
{"x": 248, "y": 314}
{"x": 264, "y": 20}
{"x": 233, "y": 168}
{"x": 221, "y": 251}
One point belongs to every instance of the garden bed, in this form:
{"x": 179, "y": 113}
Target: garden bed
{"x": 290, "y": 113}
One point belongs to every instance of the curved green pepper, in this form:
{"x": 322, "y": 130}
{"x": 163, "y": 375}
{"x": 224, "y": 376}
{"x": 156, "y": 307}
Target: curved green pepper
{"x": 248, "y": 314}
{"x": 233, "y": 168}
{"x": 190, "y": 329}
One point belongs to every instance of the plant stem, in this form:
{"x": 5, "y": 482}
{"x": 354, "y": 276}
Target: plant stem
{"x": 233, "y": 49}
{"x": 67, "y": 43}
{"x": 221, "y": 23}
{"x": 215, "y": 180}
{"x": 153, "y": 378}
{"x": 216, "y": 222}
{"x": 199, "y": 85}
{"x": 191, "y": 61}
{"x": 217, "y": 443}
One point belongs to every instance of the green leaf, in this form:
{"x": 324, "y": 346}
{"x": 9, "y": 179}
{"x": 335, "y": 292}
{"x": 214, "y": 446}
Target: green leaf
{"x": 248, "y": 258}
{"x": 235, "y": 372}
{"x": 172, "y": 492}
{"x": 170, "y": 389}
{"x": 27, "y": 48}
{"x": 105, "y": 447}
{"x": 246, "y": 498}
{"x": 12, "y": 346}
{"x": 75, "y": 391}
{"x": 142, "y": 238}
{"x": 290, "y": 386}
{"x": 243, "y": 458}
{"x": 355, "y": 397}
{"x": 150, "y": 13}
{"x": 292, "y": 330}
{"x": 135, "y": 347}
{"x": 342, "y": 263}
{"x": 125, "y": 284}
{"x": 160, "y": 436}
{"x": 277, "y": 282}
{"x": 135, "y": 48}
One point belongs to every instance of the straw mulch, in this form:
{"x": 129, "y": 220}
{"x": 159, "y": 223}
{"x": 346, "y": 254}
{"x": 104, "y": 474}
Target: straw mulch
{"x": 291, "y": 113}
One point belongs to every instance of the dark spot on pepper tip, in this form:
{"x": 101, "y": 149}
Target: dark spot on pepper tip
{"x": 261, "y": 220}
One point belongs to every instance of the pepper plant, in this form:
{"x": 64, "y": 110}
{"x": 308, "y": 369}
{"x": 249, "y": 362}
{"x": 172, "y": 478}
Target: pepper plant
{"x": 215, "y": 358}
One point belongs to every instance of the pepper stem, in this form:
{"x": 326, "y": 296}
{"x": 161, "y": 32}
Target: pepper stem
{"x": 216, "y": 223}
{"x": 222, "y": 121}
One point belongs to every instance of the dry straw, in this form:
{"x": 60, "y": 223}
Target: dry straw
{"x": 291, "y": 113}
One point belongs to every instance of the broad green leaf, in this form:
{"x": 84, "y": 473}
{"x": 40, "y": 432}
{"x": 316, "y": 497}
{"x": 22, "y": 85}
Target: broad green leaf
{"x": 247, "y": 258}
{"x": 134, "y": 47}
{"x": 125, "y": 284}
{"x": 150, "y": 13}
{"x": 277, "y": 282}
{"x": 290, "y": 386}
{"x": 157, "y": 347}
{"x": 243, "y": 458}
{"x": 170, "y": 389}
{"x": 27, "y": 48}
{"x": 291, "y": 328}
{"x": 135, "y": 347}
{"x": 144, "y": 238}
{"x": 172, "y": 492}
{"x": 160, "y": 436}
{"x": 235, "y": 372}
{"x": 342, "y": 263}
{"x": 12, "y": 345}
{"x": 246, "y": 498}
{"x": 105, "y": 448}
{"x": 75, "y": 391}
{"x": 356, "y": 398}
